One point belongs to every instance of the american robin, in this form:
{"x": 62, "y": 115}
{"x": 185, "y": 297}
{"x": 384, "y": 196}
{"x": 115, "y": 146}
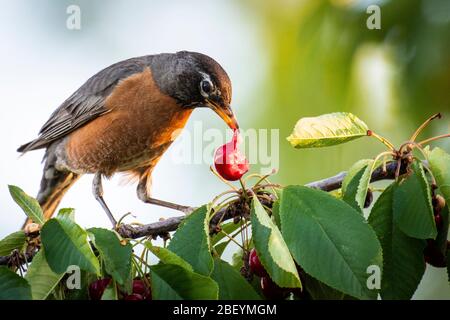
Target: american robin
{"x": 123, "y": 119}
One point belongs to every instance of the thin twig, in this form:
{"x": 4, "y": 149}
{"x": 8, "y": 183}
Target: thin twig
{"x": 171, "y": 224}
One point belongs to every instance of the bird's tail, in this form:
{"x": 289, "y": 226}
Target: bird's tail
{"x": 54, "y": 184}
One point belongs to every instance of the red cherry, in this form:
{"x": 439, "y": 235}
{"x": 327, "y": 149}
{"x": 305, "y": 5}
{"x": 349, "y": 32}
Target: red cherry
{"x": 229, "y": 162}
{"x": 255, "y": 264}
{"x": 97, "y": 288}
{"x": 438, "y": 221}
{"x": 134, "y": 297}
{"x": 271, "y": 290}
{"x": 140, "y": 288}
{"x": 369, "y": 198}
{"x": 433, "y": 255}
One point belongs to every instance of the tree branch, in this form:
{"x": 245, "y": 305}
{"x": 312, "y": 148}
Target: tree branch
{"x": 171, "y": 224}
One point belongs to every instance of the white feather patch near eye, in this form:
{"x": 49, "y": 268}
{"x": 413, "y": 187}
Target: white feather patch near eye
{"x": 206, "y": 77}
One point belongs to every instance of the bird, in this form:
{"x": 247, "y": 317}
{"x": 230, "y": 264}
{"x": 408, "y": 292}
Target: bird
{"x": 123, "y": 119}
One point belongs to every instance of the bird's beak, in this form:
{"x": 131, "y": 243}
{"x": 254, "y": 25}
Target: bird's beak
{"x": 227, "y": 115}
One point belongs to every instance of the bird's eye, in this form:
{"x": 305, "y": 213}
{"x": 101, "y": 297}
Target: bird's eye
{"x": 206, "y": 87}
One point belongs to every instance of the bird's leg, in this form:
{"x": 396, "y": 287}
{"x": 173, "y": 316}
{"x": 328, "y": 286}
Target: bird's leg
{"x": 97, "y": 189}
{"x": 143, "y": 195}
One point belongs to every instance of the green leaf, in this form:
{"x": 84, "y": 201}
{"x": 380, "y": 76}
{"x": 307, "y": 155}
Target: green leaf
{"x": 16, "y": 240}
{"x": 220, "y": 247}
{"x": 85, "y": 280}
{"x": 237, "y": 259}
{"x": 191, "y": 241}
{"x": 356, "y": 183}
{"x": 172, "y": 282}
{"x": 13, "y": 286}
{"x": 226, "y": 228}
{"x": 65, "y": 244}
{"x": 354, "y": 170}
{"x": 28, "y": 204}
{"x": 230, "y": 229}
{"x": 167, "y": 257}
{"x": 327, "y": 130}
{"x": 276, "y": 213}
{"x": 67, "y": 212}
{"x": 41, "y": 278}
{"x": 232, "y": 286}
{"x": 115, "y": 254}
{"x": 403, "y": 261}
{"x": 439, "y": 162}
{"x": 329, "y": 239}
{"x": 110, "y": 292}
{"x": 320, "y": 291}
{"x": 271, "y": 248}
{"x": 413, "y": 211}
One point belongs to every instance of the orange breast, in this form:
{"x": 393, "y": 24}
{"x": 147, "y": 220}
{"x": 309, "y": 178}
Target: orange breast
{"x": 135, "y": 132}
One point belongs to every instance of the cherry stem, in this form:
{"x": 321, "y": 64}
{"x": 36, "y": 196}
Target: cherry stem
{"x": 424, "y": 125}
{"x": 246, "y": 234}
{"x": 397, "y": 170}
{"x": 233, "y": 235}
{"x": 234, "y": 240}
{"x": 220, "y": 207}
{"x": 386, "y": 142}
{"x": 253, "y": 175}
{"x": 221, "y": 178}
{"x": 383, "y": 154}
{"x": 268, "y": 184}
{"x": 123, "y": 217}
{"x": 263, "y": 178}
{"x": 421, "y": 143}
{"x": 244, "y": 191}
{"x": 420, "y": 148}
{"x": 137, "y": 266}
{"x": 222, "y": 194}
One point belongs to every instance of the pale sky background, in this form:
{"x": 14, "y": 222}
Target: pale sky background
{"x": 42, "y": 63}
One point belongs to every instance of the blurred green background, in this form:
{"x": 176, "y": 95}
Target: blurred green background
{"x": 324, "y": 59}
{"x": 287, "y": 59}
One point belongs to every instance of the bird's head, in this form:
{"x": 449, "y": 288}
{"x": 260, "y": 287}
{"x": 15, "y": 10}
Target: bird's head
{"x": 195, "y": 80}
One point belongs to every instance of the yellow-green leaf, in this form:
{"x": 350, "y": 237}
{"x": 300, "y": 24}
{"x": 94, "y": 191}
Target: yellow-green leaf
{"x": 66, "y": 244}
{"x": 11, "y": 242}
{"x": 327, "y": 130}
{"x": 271, "y": 248}
{"x": 440, "y": 166}
{"x": 28, "y": 204}
{"x": 41, "y": 278}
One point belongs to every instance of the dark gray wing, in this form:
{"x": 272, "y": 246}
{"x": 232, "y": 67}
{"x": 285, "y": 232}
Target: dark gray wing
{"x": 85, "y": 104}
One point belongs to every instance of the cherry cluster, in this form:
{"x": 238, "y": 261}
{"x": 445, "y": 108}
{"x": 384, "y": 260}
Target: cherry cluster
{"x": 269, "y": 288}
{"x": 435, "y": 252}
{"x": 140, "y": 291}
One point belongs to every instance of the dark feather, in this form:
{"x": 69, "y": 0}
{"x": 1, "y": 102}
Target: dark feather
{"x": 85, "y": 104}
